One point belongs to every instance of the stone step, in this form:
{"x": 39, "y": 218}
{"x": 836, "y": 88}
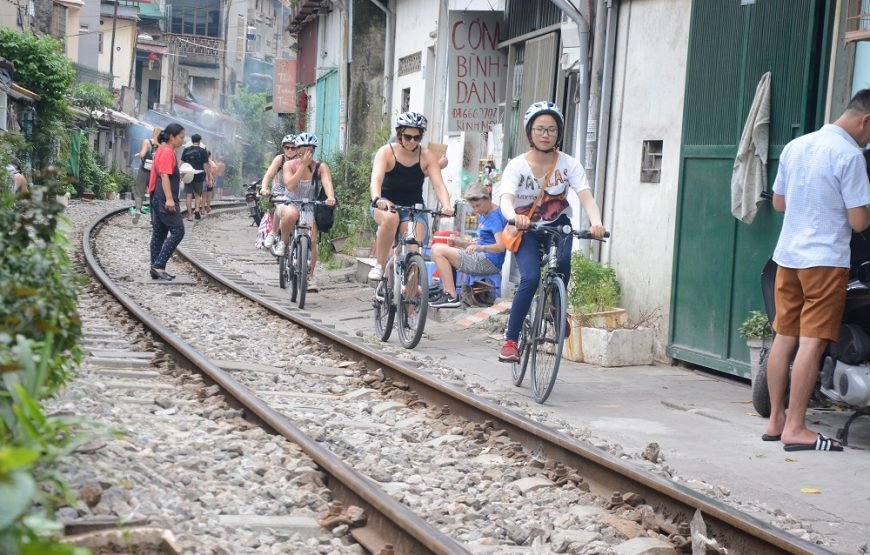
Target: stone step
{"x": 100, "y": 353}
{"x": 129, "y": 374}
{"x": 132, "y": 384}
{"x": 129, "y": 363}
{"x": 305, "y": 526}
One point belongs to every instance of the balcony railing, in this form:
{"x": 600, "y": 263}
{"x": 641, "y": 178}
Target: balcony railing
{"x": 86, "y": 74}
{"x": 196, "y": 49}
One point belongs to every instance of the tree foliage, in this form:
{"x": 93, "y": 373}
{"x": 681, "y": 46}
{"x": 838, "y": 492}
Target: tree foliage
{"x": 91, "y": 96}
{"x": 41, "y": 66}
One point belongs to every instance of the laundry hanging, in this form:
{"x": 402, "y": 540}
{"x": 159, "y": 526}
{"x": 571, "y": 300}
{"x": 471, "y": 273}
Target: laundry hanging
{"x": 749, "y": 176}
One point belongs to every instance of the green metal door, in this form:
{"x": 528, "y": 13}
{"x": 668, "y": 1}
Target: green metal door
{"x": 718, "y": 259}
{"x": 327, "y": 113}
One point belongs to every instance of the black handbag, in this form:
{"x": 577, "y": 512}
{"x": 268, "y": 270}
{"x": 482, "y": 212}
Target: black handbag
{"x": 324, "y": 216}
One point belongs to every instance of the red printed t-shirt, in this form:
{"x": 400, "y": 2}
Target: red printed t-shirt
{"x": 164, "y": 163}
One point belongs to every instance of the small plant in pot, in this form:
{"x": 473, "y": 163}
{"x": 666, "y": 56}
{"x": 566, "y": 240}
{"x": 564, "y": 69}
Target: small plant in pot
{"x": 758, "y": 334}
{"x": 592, "y": 298}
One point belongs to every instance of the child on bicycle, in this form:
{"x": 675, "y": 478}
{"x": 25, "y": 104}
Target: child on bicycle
{"x": 521, "y": 195}
{"x": 480, "y": 258}
{"x": 299, "y": 181}
{"x": 397, "y": 179}
{"x": 273, "y": 181}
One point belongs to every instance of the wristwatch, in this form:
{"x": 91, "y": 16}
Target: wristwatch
{"x": 375, "y": 202}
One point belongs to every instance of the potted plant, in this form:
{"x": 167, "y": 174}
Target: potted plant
{"x": 758, "y": 333}
{"x": 592, "y": 299}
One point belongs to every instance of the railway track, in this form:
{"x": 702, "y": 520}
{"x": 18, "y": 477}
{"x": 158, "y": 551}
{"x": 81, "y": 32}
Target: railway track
{"x": 656, "y": 506}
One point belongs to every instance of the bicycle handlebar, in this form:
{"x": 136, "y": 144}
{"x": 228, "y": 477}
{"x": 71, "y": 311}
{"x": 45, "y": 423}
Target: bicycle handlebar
{"x": 301, "y": 203}
{"x": 418, "y": 209}
{"x": 563, "y": 231}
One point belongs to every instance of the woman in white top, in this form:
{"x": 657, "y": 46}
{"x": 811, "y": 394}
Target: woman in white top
{"x": 521, "y": 182}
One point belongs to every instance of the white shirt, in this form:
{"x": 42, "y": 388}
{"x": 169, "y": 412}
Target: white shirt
{"x": 821, "y": 175}
{"x": 517, "y": 179}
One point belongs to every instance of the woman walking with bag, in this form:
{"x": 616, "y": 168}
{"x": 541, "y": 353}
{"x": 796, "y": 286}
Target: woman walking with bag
{"x": 167, "y": 224}
{"x": 146, "y": 153}
{"x": 534, "y": 188}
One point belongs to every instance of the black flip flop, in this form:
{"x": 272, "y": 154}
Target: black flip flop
{"x": 766, "y": 437}
{"x": 822, "y": 443}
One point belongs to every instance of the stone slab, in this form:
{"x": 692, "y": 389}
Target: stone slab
{"x": 106, "y": 362}
{"x": 128, "y": 374}
{"x": 359, "y": 394}
{"x": 387, "y": 406}
{"x": 323, "y": 370}
{"x": 410, "y": 422}
{"x": 244, "y": 366}
{"x": 449, "y": 438}
{"x": 644, "y": 546}
{"x": 109, "y": 353}
{"x": 561, "y": 539}
{"x": 531, "y": 483}
{"x": 627, "y": 528}
{"x": 130, "y": 384}
{"x": 305, "y": 526}
{"x": 101, "y": 335}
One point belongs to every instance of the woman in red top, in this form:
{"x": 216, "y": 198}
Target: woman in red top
{"x": 167, "y": 225}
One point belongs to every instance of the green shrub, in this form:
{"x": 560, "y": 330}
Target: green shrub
{"x": 37, "y": 286}
{"x": 351, "y": 173}
{"x": 756, "y": 325}
{"x": 593, "y": 286}
{"x": 92, "y": 171}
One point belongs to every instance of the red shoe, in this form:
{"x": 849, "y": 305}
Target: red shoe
{"x": 509, "y": 352}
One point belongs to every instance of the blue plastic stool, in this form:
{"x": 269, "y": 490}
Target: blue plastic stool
{"x": 463, "y": 280}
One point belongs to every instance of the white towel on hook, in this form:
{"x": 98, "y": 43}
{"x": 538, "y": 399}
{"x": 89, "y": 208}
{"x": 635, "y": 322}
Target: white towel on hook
{"x": 749, "y": 177}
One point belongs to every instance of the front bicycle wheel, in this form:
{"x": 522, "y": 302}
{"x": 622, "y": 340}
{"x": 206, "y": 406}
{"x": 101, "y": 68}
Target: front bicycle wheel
{"x": 385, "y": 310}
{"x": 284, "y": 271}
{"x": 301, "y": 268}
{"x": 291, "y": 253}
{"x": 414, "y": 301}
{"x": 549, "y": 332}
{"x": 518, "y": 369}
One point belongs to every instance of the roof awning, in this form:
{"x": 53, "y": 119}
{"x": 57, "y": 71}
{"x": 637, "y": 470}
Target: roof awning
{"x": 196, "y": 107}
{"x": 149, "y": 10}
{"x": 18, "y": 92}
{"x": 160, "y": 49}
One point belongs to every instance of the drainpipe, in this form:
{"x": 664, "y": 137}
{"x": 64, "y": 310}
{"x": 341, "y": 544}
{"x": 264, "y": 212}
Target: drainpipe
{"x": 348, "y": 67}
{"x": 389, "y": 48}
{"x": 603, "y": 146}
{"x": 582, "y": 97}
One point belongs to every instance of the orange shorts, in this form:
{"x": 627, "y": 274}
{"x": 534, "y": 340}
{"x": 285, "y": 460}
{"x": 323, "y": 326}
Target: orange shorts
{"x": 810, "y": 301}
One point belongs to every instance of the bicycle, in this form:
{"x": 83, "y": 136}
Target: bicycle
{"x": 293, "y": 264}
{"x": 542, "y": 335}
{"x": 404, "y": 287}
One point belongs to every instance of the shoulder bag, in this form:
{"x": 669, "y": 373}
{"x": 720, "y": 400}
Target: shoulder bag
{"x": 511, "y": 236}
{"x": 324, "y": 216}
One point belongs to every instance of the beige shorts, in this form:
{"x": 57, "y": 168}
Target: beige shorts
{"x": 810, "y": 301}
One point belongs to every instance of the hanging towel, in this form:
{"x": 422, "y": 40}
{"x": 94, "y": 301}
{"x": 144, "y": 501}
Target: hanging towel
{"x": 749, "y": 177}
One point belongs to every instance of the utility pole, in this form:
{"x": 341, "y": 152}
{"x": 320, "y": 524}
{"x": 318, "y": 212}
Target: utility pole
{"x": 112, "y": 50}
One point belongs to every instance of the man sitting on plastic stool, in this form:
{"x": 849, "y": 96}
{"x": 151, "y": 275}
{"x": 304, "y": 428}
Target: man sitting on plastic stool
{"x": 481, "y": 258}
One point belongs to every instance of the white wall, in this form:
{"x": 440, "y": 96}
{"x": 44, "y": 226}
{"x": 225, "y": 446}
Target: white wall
{"x": 415, "y": 20}
{"x": 125, "y": 50}
{"x": 652, "y": 45}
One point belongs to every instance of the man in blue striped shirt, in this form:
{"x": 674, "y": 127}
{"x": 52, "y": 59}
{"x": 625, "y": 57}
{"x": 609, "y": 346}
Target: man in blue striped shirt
{"x": 822, "y": 187}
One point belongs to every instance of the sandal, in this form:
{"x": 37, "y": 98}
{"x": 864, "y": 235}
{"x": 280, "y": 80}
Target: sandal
{"x": 823, "y": 443}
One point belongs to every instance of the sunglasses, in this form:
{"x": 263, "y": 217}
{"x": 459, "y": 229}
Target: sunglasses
{"x": 416, "y": 138}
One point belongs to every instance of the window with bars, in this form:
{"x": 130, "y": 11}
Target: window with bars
{"x": 197, "y": 17}
{"x": 58, "y": 22}
{"x": 858, "y": 21}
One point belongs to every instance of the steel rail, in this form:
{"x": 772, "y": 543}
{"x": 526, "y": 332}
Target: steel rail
{"x": 738, "y": 531}
{"x": 389, "y": 521}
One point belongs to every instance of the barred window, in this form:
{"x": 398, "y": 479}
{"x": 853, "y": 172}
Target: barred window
{"x": 197, "y": 17}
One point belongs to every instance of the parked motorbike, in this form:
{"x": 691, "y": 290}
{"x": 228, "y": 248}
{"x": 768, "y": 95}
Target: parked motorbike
{"x": 844, "y": 375}
{"x": 252, "y": 199}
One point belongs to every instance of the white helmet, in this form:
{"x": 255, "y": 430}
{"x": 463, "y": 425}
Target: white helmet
{"x": 413, "y": 120}
{"x": 289, "y": 139}
{"x": 306, "y": 139}
{"x": 539, "y": 109}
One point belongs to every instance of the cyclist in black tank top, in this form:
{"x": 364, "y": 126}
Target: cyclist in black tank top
{"x": 397, "y": 179}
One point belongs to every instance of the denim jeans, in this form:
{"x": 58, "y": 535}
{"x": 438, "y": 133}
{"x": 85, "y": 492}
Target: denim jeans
{"x": 529, "y": 263}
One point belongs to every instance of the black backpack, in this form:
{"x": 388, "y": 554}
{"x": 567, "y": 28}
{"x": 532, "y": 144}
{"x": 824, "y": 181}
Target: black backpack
{"x": 193, "y": 155}
{"x": 324, "y": 216}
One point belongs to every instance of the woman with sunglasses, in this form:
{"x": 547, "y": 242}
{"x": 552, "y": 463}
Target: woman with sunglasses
{"x": 397, "y": 179}
{"x": 273, "y": 181}
{"x": 521, "y": 182}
